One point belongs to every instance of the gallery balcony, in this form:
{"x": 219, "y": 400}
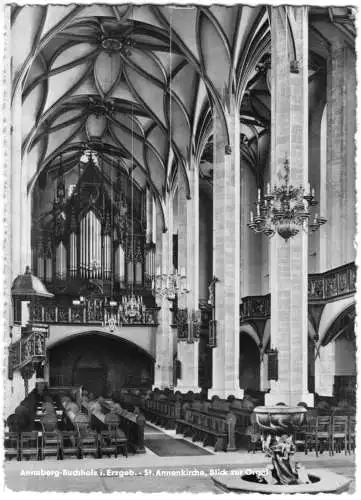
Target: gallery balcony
{"x": 329, "y": 286}
{"x": 89, "y": 312}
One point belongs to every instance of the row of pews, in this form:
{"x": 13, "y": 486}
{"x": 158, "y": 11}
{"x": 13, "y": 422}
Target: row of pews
{"x": 228, "y": 424}
{"x": 223, "y": 424}
{"x": 72, "y": 425}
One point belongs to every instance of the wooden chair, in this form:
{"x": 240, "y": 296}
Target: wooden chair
{"x": 339, "y": 433}
{"x": 50, "y": 444}
{"x": 351, "y": 434}
{"x": 11, "y": 445}
{"x": 323, "y": 434}
{"x": 50, "y": 440}
{"x": 310, "y": 433}
{"x": 29, "y": 445}
{"x": 69, "y": 444}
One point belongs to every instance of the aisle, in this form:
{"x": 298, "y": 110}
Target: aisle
{"x": 164, "y": 445}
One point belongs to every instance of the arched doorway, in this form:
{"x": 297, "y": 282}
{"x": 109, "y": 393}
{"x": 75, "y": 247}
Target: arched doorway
{"x": 249, "y": 363}
{"x": 90, "y": 371}
{"x": 102, "y": 364}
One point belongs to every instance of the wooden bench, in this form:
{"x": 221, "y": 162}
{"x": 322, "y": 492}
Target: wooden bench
{"x": 132, "y": 423}
{"x": 88, "y": 438}
{"x": 222, "y": 409}
{"x": 163, "y": 413}
{"x": 211, "y": 429}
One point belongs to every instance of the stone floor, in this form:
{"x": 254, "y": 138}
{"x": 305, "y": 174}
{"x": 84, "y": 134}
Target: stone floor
{"x": 151, "y": 473}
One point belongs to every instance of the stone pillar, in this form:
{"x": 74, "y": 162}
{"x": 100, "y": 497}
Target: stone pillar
{"x": 288, "y": 259}
{"x": 17, "y": 266}
{"x": 188, "y": 251}
{"x": 226, "y": 255}
{"x": 163, "y": 373}
{"x": 20, "y": 198}
{"x": 341, "y": 165}
{"x": 325, "y": 365}
{"x": 149, "y": 216}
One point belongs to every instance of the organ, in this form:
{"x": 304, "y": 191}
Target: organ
{"x": 95, "y": 233}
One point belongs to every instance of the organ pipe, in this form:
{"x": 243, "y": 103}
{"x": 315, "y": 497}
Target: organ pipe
{"x": 82, "y": 260}
{"x": 40, "y": 263}
{"x": 49, "y": 262}
{"x": 73, "y": 255}
{"x": 40, "y": 267}
{"x": 150, "y": 262}
{"x": 107, "y": 256}
{"x": 119, "y": 265}
{"x": 90, "y": 236}
{"x": 138, "y": 273}
{"x": 60, "y": 261}
{"x": 130, "y": 272}
{"x": 49, "y": 269}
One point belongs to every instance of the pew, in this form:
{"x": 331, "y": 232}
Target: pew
{"x": 216, "y": 429}
{"x": 87, "y": 437}
{"x": 163, "y": 413}
{"x": 129, "y": 423}
{"x": 132, "y": 423}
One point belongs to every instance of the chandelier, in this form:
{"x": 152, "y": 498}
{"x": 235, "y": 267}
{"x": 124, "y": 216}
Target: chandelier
{"x": 285, "y": 209}
{"x": 170, "y": 285}
{"x": 131, "y": 306}
{"x": 130, "y": 310}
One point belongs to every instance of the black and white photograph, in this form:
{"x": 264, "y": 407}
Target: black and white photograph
{"x": 178, "y": 199}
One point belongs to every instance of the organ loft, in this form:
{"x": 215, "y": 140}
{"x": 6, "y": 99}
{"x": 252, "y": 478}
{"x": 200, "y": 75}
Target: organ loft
{"x": 181, "y": 217}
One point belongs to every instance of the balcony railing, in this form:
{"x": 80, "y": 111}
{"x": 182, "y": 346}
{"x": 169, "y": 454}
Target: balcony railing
{"x": 255, "y": 307}
{"x": 92, "y": 312}
{"x": 333, "y": 284}
{"x": 324, "y": 287}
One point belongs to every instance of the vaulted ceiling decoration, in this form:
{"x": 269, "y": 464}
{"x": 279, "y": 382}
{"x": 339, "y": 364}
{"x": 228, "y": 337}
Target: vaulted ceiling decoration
{"x": 137, "y": 80}
{"x": 139, "y": 83}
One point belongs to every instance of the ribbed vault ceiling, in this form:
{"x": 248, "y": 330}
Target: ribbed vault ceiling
{"x": 137, "y": 81}
{"x": 138, "y": 84}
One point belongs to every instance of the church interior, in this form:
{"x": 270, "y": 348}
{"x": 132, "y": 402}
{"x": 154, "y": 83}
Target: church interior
{"x": 181, "y": 225}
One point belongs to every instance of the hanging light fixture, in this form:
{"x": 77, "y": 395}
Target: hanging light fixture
{"x": 170, "y": 285}
{"x": 174, "y": 284}
{"x": 285, "y": 209}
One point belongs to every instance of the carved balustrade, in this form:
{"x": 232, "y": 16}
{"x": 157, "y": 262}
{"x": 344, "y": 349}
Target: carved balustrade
{"x": 93, "y": 311}
{"x": 332, "y": 285}
{"x": 255, "y": 307}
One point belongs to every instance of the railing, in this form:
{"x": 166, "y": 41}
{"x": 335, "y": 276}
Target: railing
{"x": 333, "y": 284}
{"x": 323, "y": 287}
{"x": 255, "y": 307}
{"x": 92, "y": 312}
